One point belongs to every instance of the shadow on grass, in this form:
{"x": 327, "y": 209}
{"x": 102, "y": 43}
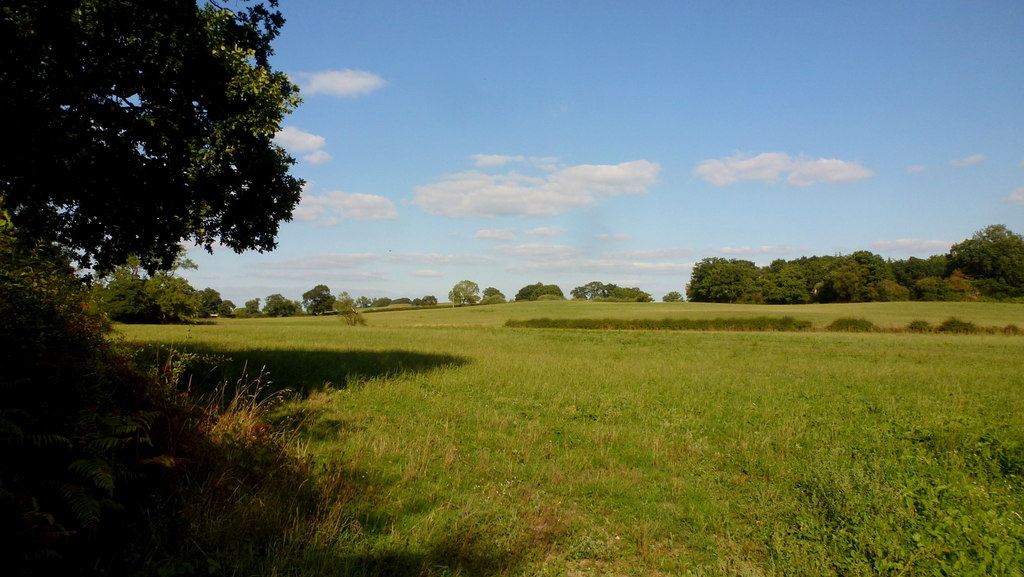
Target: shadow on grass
{"x": 263, "y": 512}
{"x": 302, "y": 371}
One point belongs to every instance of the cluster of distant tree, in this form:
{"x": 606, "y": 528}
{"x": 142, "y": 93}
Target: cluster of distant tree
{"x": 990, "y": 265}
{"x": 598, "y": 291}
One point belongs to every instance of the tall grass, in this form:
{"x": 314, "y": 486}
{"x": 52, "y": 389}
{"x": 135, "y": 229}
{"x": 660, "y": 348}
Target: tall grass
{"x": 508, "y": 451}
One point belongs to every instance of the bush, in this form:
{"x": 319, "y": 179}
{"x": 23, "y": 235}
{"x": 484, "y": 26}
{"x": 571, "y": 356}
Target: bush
{"x": 851, "y": 325}
{"x": 957, "y": 326}
{"x": 920, "y": 327}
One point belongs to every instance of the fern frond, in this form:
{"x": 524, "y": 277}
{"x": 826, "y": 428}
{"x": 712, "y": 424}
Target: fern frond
{"x": 96, "y": 471}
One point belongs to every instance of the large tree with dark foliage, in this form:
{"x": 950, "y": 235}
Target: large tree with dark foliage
{"x": 994, "y": 259}
{"x": 138, "y": 125}
{"x": 135, "y": 126}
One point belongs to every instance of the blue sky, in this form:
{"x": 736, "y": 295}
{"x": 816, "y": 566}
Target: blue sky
{"x": 510, "y": 143}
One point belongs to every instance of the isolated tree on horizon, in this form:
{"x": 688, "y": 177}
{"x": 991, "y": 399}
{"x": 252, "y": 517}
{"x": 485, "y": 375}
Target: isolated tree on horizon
{"x": 464, "y": 292}
{"x": 318, "y": 300}
{"x": 672, "y": 297}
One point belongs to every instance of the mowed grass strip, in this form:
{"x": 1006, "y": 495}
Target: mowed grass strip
{"x": 563, "y": 452}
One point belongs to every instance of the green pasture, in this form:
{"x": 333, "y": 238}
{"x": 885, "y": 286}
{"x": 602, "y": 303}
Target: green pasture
{"x": 462, "y": 447}
{"x": 893, "y": 314}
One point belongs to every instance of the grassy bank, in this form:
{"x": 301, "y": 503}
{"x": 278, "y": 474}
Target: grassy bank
{"x": 465, "y": 448}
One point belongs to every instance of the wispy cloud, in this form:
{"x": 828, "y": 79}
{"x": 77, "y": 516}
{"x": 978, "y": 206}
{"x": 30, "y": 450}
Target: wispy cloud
{"x": 428, "y": 273}
{"x": 496, "y": 234}
{"x": 1016, "y": 197}
{"x": 325, "y": 275}
{"x": 652, "y": 255}
{"x": 317, "y": 157}
{"x": 335, "y": 206}
{"x": 492, "y": 160}
{"x": 299, "y": 140}
{"x": 968, "y": 160}
{"x": 603, "y": 267}
{"x": 436, "y": 259}
{"x": 322, "y": 261}
{"x": 917, "y": 169}
{"x": 756, "y": 250}
{"x": 769, "y": 167}
{"x": 606, "y": 236}
{"x": 537, "y": 251}
{"x": 545, "y": 231}
{"x": 346, "y": 83}
{"x": 911, "y": 245}
{"x": 478, "y": 194}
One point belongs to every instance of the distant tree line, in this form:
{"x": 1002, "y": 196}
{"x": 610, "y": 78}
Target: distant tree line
{"x": 990, "y": 265}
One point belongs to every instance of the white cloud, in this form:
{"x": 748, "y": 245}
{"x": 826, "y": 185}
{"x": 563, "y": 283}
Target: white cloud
{"x": 968, "y": 160}
{"x": 496, "y": 234}
{"x": 750, "y": 250}
{"x": 317, "y": 157}
{"x": 768, "y": 167}
{"x": 299, "y": 140}
{"x": 479, "y": 194}
{"x": 538, "y": 251}
{"x": 328, "y": 275}
{"x": 830, "y": 170}
{"x": 487, "y": 160}
{"x": 491, "y": 160}
{"x": 346, "y": 83}
{"x": 646, "y": 255}
{"x": 612, "y": 236}
{"x": 1016, "y": 197}
{"x": 604, "y": 267}
{"x": 911, "y": 245}
{"x": 545, "y": 231}
{"x": 434, "y": 259}
{"x": 917, "y": 169}
{"x": 335, "y": 206}
{"x": 428, "y": 273}
{"x": 323, "y": 261}
{"x": 765, "y": 167}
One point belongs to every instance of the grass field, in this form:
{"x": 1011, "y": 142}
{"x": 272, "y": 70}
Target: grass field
{"x": 467, "y": 448}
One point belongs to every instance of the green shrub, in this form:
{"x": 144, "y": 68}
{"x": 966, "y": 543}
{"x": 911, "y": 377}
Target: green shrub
{"x": 957, "y": 326}
{"x": 920, "y": 327}
{"x": 851, "y": 325}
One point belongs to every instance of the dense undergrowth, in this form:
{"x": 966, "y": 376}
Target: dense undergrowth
{"x": 114, "y": 466}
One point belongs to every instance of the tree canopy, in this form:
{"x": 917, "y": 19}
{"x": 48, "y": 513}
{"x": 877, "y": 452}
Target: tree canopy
{"x": 140, "y": 125}
{"x": 464, "y": 292}
{"x": 994, "y": 257}
{"x": 989, "y": 265}
{"x": 598, "y": 291}
{"x": 318, "y": 300}
{"x": 533, "y": 292}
